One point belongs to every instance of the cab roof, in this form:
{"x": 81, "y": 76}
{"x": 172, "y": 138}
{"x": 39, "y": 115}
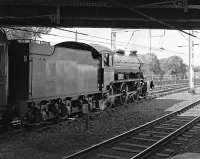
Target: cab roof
{"x": 96, "y": 49}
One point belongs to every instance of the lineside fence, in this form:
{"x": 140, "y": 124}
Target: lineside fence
{"x": 172, "y": 79}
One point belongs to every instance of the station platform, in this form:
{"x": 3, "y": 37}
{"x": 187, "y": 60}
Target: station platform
{"x": 187, "y": 98}
{"x": 192, "y": 151}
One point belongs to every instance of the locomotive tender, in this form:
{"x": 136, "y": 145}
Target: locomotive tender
{"x": 39, "y": 81}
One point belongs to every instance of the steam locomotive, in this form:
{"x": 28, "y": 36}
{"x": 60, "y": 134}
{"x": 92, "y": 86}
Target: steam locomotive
{"x": 39, "y": 82}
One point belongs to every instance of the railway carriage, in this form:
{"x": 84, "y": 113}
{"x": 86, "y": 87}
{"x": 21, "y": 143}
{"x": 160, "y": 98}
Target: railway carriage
{"x": 39, "y": 81}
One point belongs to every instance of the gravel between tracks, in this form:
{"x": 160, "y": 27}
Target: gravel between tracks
{"x": 70, "y": 136}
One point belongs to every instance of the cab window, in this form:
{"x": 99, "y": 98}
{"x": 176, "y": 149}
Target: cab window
{"x": 108, "y": 60}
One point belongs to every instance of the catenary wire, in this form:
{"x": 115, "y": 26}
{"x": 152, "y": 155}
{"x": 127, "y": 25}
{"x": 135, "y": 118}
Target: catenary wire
{"x": 136, "y": 45}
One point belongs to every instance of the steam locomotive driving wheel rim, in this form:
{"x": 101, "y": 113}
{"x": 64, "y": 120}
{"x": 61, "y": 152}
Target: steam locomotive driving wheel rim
{"x": 123, "y": 91}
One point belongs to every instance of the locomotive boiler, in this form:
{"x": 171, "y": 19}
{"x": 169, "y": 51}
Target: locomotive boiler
{"x": 39, "y": 82}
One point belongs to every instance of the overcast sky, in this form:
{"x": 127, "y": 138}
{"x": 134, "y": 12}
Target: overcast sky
{"x": 167, "y": 40}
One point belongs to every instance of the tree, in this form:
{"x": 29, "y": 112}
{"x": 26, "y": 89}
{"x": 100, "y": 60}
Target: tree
{"x": 173, "y": 66}
{"x": 26, "y": 32}
{"x": 163, "y": 65}
{"x": 151, "y": 64}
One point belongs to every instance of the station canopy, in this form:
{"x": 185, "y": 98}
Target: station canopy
{"x": 157, "y": 14}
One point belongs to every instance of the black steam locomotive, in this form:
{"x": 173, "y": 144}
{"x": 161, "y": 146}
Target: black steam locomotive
{"x": 39, "y": 82}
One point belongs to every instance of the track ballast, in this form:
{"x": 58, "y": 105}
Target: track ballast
{"x": 143, "y": 141}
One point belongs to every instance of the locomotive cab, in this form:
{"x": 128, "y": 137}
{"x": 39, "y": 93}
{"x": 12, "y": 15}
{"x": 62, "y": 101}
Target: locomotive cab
{"x": 107, "y": 65}
{"x": 106, "y": 68}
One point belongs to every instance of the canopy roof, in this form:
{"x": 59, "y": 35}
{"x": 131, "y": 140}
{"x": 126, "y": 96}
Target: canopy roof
{"x": 168, "y": 14}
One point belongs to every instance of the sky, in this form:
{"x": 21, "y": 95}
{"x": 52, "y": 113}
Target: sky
{"x": 164, "y": 43}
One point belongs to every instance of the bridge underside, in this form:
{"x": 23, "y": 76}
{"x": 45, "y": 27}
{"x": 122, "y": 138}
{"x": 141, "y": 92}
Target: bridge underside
{"x": 171, "y": 14}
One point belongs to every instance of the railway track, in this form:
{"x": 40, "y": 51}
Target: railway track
{"x": 170, "y": 89}
{"x": 145, "y": 141}
{"x": 162, "y": 87}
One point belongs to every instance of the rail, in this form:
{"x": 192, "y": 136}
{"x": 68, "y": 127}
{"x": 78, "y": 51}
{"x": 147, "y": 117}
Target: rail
{"x": 107, "y": 144}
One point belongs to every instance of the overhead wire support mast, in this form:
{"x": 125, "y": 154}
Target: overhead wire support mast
{"x": 191, "y": 70}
